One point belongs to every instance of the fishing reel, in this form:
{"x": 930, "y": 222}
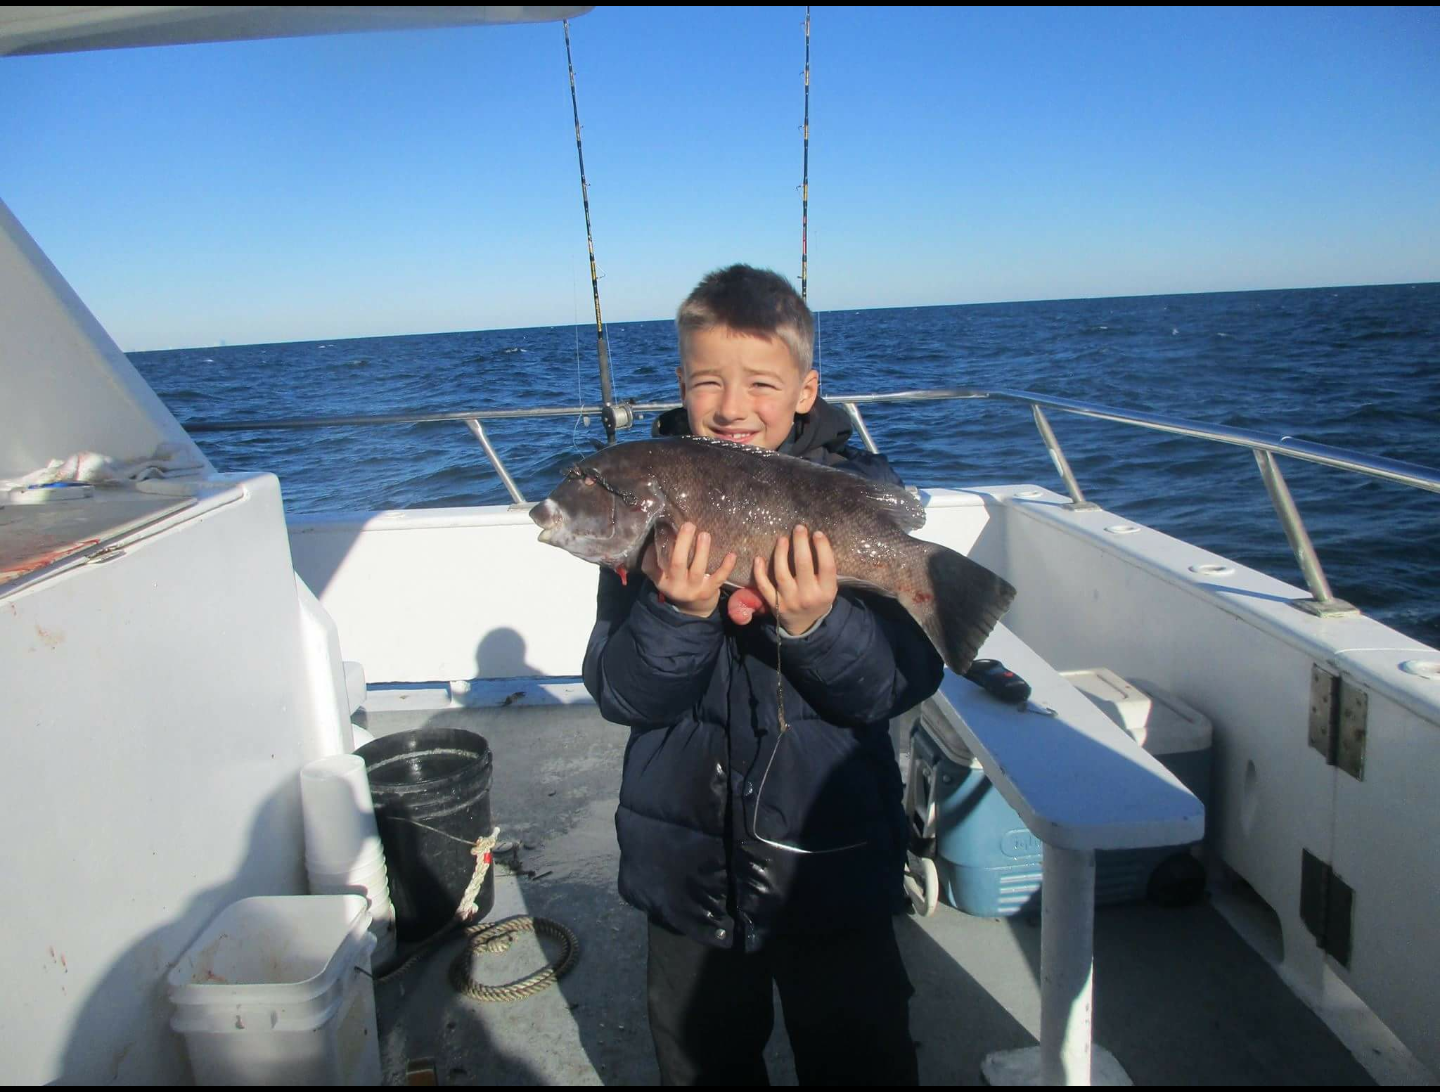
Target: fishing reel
{"x": 617, "y": 416}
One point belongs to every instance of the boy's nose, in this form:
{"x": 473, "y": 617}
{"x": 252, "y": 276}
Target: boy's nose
{"x": 733, "y": 405}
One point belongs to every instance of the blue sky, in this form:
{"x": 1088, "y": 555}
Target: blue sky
{"x": 411, "y": 182}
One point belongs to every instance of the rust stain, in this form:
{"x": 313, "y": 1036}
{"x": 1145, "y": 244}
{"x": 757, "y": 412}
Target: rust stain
{"x": 54, "y": 640}
{"x": 45, "y": 557}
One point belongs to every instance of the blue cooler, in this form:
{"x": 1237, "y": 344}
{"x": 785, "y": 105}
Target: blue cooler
{"x": 989, "y": 863}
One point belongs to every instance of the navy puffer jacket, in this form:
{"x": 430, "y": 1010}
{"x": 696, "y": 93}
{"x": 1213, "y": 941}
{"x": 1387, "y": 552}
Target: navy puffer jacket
{"x": 730, "y": 833}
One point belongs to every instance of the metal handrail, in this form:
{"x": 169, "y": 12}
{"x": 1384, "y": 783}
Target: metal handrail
{"x": 1412, "y": 474}
{"x": 1265, "y": 448}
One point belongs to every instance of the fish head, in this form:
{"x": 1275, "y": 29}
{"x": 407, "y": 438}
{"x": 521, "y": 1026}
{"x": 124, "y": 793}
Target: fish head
{"x": 602, "y": 512}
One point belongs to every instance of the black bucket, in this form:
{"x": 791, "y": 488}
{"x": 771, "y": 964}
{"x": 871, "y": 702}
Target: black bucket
{"x": 431, "y": 789}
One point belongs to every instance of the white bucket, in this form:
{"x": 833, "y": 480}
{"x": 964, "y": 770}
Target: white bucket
{"x": 273, "y": 993}
{"x": 340, "y": 831}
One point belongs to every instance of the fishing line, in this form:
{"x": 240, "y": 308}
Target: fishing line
{"x": 579, "y": 382}
{"x": 784, "y": 730}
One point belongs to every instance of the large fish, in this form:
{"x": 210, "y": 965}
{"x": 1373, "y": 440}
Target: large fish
{"x": 610, "y": 504}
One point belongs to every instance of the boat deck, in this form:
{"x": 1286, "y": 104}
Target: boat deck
{"x": 1180, "y": 998}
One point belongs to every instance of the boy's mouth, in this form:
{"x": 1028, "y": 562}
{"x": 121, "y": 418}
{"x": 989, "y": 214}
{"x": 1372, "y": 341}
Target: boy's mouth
{"x": 736, "y": 435}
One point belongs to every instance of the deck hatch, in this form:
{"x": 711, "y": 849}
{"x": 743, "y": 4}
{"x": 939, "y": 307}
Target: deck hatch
{"x": 1326, "y": 906}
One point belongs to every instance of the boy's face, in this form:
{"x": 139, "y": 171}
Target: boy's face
{"x": 743, "y": 388}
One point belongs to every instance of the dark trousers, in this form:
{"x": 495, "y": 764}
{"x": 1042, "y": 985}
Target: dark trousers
{"x": 845, "y": 997}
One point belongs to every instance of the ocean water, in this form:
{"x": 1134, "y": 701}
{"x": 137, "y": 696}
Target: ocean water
{"x": 1354, "y": 367}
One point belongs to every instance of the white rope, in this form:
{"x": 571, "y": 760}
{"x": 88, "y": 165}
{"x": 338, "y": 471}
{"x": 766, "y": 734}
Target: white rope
{"x": 481, "y": 851}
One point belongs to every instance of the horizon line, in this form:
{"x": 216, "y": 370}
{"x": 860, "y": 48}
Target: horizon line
{"x": 832, "y": 310}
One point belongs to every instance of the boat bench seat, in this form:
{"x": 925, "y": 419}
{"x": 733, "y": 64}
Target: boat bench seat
{"x": 1076, "y": 779}
{"x": 1080, "y": 784}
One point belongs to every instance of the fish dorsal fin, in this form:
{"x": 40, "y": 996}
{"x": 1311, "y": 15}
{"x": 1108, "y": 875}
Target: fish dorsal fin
{"x": 904, "y": 507}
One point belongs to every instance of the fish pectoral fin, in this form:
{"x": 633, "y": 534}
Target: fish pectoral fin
{"x": 665, "y": 534}
{"x": 898, "y": 503}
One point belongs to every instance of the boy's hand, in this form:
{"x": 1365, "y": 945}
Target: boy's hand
{"x": 801, "y": 597}
{"x": 683, "y": 581}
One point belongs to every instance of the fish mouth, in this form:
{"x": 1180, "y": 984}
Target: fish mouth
{"x": 547, "y": 516}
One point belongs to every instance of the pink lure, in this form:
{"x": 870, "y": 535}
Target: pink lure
{"x": 745, "y": 603}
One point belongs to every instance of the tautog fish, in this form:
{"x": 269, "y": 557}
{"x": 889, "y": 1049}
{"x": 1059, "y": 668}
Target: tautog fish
{"x": 610, "y": 504}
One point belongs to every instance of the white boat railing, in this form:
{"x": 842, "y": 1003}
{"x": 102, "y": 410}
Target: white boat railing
{"x": 1264, "y": 447}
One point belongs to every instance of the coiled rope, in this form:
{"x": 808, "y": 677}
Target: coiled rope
{"x": 493, "y": 937}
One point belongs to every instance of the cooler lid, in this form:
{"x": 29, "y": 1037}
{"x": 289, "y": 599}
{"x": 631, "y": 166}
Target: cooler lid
{"x": 1117, "y": 699}
{"x": 1174, "y": 725}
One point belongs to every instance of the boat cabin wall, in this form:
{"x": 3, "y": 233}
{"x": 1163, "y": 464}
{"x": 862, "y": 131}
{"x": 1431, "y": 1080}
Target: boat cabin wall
{"x": 159, "y": 704}
{"x": 66, "y": 385}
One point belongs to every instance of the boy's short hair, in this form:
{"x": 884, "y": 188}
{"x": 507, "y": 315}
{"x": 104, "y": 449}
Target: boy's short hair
{"x": 749, "y": 301}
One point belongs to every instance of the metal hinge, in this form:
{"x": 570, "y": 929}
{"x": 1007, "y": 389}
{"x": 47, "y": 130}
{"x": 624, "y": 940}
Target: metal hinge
{"x": 1326, "y": 905}
{"x": 109, "y": 553}
{"x": 1338, "y": 711}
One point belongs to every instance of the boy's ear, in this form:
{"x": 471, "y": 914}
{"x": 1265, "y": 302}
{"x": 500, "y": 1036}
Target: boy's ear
{"x": 809, "y": 391}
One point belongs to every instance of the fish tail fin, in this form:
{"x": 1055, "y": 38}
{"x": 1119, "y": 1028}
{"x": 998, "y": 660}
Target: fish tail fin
{"x": 956, "y": 601}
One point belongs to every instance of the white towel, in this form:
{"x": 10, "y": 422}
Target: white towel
{"x": 90, "y": 466}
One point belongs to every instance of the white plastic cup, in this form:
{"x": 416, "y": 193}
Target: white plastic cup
{"x": 375, "y": 888}
{"x": 364, "y": 868}
{"x": 373, "y": 883}
{"x": 332, "y": 885}
{"x": 378, "y": 895}
{"x": 372, "y": 859}
{"x": 340, "y": 831}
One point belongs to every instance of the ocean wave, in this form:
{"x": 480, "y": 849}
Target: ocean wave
{"x": 1354, "y": 371}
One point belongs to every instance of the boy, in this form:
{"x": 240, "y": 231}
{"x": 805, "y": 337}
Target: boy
{"x": 762, "y": 858}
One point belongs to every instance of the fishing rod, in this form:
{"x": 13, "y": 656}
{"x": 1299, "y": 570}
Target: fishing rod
{"x": 805, "y": 180}
{"x": 612, "y": 415}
